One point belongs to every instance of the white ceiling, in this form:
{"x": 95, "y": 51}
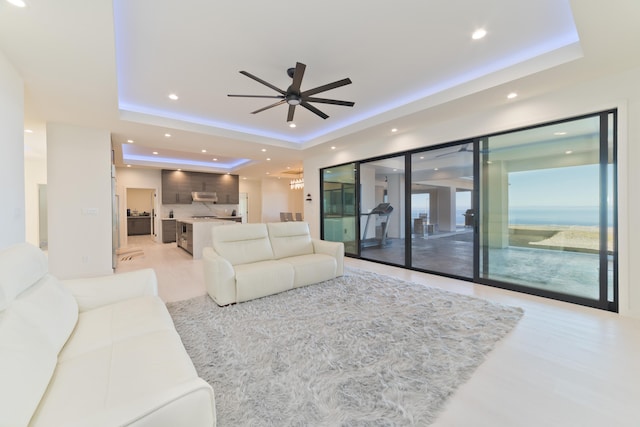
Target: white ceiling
{"x": 112, "y": 65}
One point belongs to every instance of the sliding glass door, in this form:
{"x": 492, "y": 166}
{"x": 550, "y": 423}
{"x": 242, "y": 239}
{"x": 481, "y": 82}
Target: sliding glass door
{"x": 382, "y": 217}
{"x": 339, "y": 206}
{"x": 442, "y": 210}
{"x": 546, "y": 207}
{"x": 531, "y": 210}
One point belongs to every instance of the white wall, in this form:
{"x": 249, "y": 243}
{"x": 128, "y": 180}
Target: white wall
{"x": 275, "y": 199}
{"x": 79, "y": 190}
{"x": 12, "y": 215}
{"x": 621, "y": 91}
{"x": 253, "y": 188}
{"x": 296, "y": 199}
{"x": 140, "y": 199}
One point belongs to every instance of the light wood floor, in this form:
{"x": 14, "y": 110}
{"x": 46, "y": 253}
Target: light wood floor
{"x": 562, "y": 365}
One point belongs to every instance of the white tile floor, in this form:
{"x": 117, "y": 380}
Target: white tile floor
{"x": 563, "y": 365}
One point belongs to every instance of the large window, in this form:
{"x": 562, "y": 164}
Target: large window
{"x": 532, "y": 210}
{"x": 546, "y": 198}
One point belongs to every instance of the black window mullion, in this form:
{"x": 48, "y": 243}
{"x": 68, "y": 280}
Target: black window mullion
{"x": 604, "y": 163}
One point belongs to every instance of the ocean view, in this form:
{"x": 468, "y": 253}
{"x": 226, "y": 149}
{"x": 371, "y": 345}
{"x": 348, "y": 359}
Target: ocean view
{"x": 555, "y": 215}
{"x": 543, "y": 215}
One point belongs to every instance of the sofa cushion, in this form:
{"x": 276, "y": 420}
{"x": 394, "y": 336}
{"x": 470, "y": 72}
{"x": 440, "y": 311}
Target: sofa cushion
{"x": 290, "y": 239}
{"x": 242, "y": 244}
{"x": 314, "y": 268}
{"x": 112, "y": 377}
{"x": 33, "y": 329}
{"x": 111, "y": 346}
{"x": 260, "y": 279}
{"x": 127, "y": 319}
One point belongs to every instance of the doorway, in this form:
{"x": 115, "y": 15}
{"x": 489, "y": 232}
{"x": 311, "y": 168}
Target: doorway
{"x": 141, "y": 208}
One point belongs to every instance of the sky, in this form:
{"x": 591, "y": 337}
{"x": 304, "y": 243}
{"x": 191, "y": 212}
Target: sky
{"x": 569, "y": 186}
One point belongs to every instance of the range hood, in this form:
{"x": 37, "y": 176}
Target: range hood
{"x": 204, "y": 196}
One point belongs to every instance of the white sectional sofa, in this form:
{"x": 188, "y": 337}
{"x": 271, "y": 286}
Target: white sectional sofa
{"x": 91, "y": 352}
{"x": 250, "y": 261}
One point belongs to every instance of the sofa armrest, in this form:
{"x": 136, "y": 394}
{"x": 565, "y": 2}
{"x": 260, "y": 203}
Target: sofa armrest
{"x": 94, "y": 292}
{"x": 335, "y": 249}
{"x": 191, "y": 403}
{"x": 219, "y": 277}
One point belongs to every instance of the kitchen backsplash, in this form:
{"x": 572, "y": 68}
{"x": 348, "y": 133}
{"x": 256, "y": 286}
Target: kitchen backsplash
{"x": 197, "y": 209}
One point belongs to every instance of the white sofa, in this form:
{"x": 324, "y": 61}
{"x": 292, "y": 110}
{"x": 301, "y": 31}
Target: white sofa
{"x": 91, "y": 352}
{"x": 250, "y": 261}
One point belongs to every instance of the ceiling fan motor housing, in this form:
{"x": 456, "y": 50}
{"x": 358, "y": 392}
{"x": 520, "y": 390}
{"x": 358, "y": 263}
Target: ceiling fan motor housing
{"x": 293, "y": 98}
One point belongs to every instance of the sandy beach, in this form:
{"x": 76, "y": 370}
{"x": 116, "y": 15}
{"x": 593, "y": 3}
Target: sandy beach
{"x": 571, "y": 238}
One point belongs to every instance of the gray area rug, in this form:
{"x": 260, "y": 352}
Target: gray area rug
{"x": 363, "y": 349}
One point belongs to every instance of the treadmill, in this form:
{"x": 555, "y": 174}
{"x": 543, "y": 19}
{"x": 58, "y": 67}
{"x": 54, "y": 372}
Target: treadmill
{"x": 382, "y": 210}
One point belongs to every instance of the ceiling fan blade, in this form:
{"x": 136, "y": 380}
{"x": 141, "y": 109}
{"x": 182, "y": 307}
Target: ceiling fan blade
{"x": 297, "y": 77}
{"x": 330, "y": 101}
{"x": 257, "y": 96}
{"x": 463, "y": 149}
{"x": 292, "y": 109}
{"x": 259, "y": 80}
{"x": 313, "y": 109}
{"x": 326, "y": 87}
{"x": 269, "y": 106}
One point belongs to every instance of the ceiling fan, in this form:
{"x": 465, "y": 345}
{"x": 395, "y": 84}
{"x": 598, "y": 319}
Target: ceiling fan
{"x": 463, "y": 149}
{"x": 294, "y": 96}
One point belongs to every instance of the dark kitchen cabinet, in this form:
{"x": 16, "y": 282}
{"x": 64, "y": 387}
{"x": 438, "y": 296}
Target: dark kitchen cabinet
{"x": 168, "y": 230}
{"x": 228, "y": 189}
{"x": 176, "y": 187}
{"x": 201, "y": 181}
{"x": 138, "y": 225}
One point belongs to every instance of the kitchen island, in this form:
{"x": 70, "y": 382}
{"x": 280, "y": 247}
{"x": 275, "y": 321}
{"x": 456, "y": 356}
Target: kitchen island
{"x": 193, "y": 234}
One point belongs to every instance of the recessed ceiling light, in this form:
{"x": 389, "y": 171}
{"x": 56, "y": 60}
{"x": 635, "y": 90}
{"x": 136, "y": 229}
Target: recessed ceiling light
{"x": 167, "y": 135}
{"x": 28, "y": 131}
{"x": 204, "y": 151}
{"x": 559, "y": 133}
{"x": 264, "y": 150}
{"x": 435, "y": 169}
{"x": 173, "y": 97}
{"x": 512, "y": 95}
{"x": 479, "y": 33}
{"x": 568, "y": 152}
{"x": 292, "y": 125}
{"x": 421, "y": 157}
{"x": 18, "y": 3}
{"x": 128, "y": 166}
{"x": 394, "y": 130}
{"x": 155, "y": 152}
{"x": 333, "y": 147}
{"x": 130, "y": 141}
{"x": 268, "y": 158}
{"x": 215, "y": 159}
